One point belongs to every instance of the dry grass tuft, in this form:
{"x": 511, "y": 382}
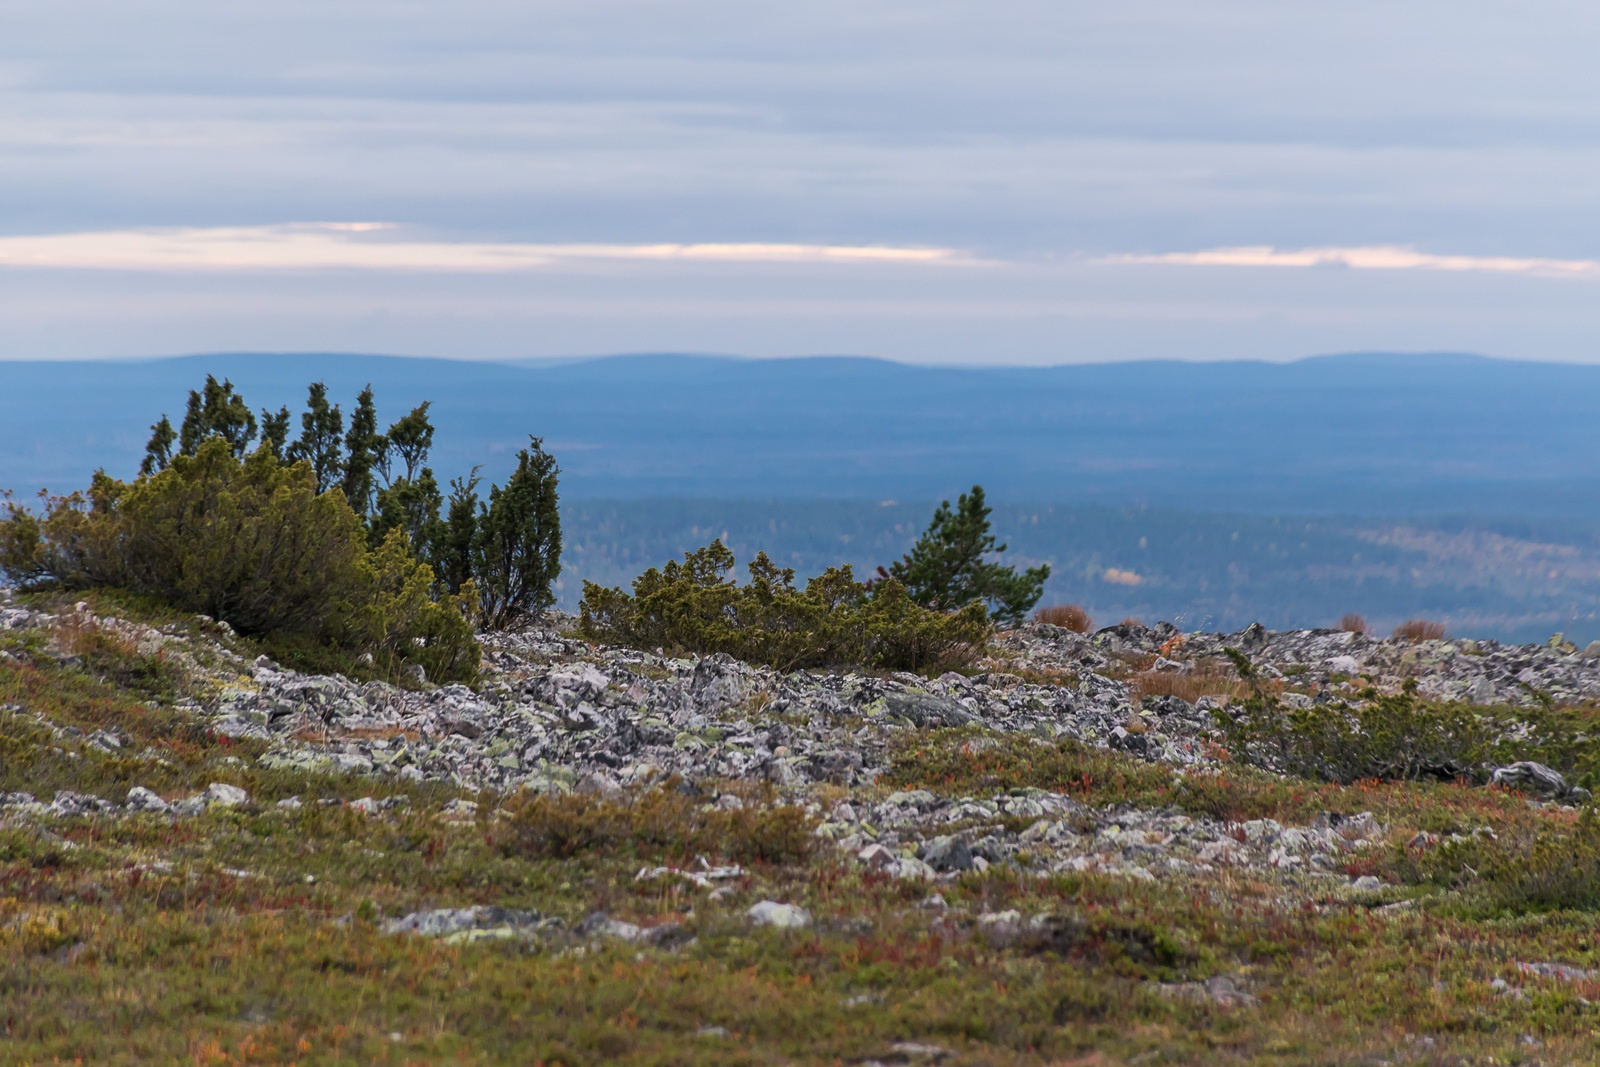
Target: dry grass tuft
{"x": 1208, "y": 679}
{"x": 1067, "y": 616}
{"x": 1415, "y": 630}
{"x": 1353, "y": 624}
{"x": 1130, "y": 621}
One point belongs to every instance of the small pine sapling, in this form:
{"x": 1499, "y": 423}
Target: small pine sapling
{"x": 516, "y": 551}
{"x": 947, "y": 569}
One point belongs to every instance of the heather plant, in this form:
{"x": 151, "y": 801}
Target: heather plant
{"x": 694, "y": 606}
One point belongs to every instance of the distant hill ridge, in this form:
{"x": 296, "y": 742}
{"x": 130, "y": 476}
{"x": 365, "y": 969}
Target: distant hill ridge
{"x": 1363, "y": 433}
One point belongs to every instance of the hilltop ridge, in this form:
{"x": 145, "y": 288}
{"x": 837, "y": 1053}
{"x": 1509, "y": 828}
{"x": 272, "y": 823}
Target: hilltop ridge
{"x": 1096, "y": 841}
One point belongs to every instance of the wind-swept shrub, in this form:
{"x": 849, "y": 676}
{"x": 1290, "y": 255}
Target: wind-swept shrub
{"x": 1394, "y": 736}
{"x": 695, "y": 607}
{"x": 516, "y": 545}
{"x": 252, "y": 542}
{"x": 1353, "y": 624}
{"x": 508, "y": 548}
{"x": 947, "y": 568}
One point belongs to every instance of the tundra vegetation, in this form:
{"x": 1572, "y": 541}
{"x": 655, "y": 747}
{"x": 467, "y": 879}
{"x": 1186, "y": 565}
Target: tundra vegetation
{"x": 1021, "y": 888}
{"x": 335, "y": 548}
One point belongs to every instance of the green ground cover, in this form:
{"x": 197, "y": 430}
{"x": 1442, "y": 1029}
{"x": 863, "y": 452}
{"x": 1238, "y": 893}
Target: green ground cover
{"x": 253, "y": 934}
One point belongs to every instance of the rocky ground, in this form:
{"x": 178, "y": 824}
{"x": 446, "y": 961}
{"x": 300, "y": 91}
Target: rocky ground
{"x": 556, "y": 716}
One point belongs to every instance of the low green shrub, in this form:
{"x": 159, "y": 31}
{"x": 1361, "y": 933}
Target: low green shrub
{"x": 1384, "y": 736}
{"x": 661, "y": 823}
{"x": 695, "y": 607}
{"x": 1401, "y": 737}
{"x": 509, "y": 547}
{"x": 250, "y": 541}
{"x": 1517, "y": 870}
{"x": 1544, "y": 872}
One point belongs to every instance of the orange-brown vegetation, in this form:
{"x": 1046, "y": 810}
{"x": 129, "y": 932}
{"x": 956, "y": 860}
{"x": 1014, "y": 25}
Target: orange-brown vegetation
{"x": 1353, "y": 624}
{"x": 1067, "y": 616}
{"x": 1205, "y": 679}
{"x": 1420, "y": 630}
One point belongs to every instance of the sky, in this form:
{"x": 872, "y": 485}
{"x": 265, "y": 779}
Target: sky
{"x": 1005, "y": 182}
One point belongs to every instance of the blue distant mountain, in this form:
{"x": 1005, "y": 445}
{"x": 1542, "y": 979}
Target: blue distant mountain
{"x": 1368, "y": 433}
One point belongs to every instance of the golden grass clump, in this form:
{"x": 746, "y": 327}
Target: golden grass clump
{"x": 1415, "y": 630}
{"x": 1207, "y": 679}
{"x": 1353, "y": 624}
{"x": 1067, "y": 616}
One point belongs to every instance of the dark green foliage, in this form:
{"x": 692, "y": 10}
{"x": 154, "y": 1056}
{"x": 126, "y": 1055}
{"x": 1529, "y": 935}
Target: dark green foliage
{"x": 213, "y": 411}
{"x": 947, "y": 568}
{"x": 363, "y": 445}
{"x": 1384, "y": 736}
{"x": 452, "y": 549}
{"x": 321, "y": 438}
{"x": 695, "y": 607}
{"x": 506, "y": 551}
{"x": 217, "y": 411}
{"x": 516, "y": 549}
{"x": 275, "y": 432}
{"x": 250, "y": 541}
{"x": 409, "y": 440}
{"x": 158, "y": 453}
{"x": 409, "y": 498}
{"x": 411, "y": 506}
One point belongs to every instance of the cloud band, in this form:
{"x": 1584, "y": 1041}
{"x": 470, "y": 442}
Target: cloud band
{"x": 1363, "y": 257}
{"x": 376, "y": 246}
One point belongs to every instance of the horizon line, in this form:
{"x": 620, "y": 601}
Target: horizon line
{"x": 550, "y": 362}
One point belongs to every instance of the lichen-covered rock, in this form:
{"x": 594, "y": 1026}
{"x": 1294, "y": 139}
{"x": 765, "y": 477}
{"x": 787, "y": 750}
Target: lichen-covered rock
{"x": 1538, "y": 779}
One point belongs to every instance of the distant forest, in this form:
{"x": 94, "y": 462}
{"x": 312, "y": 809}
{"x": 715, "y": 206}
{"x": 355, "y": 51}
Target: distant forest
{"x": 1158, "y": 490}
{"x": 1487, "y": 578}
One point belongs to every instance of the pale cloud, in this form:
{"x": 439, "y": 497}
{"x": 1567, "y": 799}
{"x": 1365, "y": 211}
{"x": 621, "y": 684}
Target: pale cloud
{"x": 581, "y": 176}
{"x": 1364, "y": 257}
{"x": 382, "y": 247}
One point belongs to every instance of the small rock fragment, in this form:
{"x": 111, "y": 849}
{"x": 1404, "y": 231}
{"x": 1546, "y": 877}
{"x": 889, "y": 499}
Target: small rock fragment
{"x": 948, "y": 853}
{"x": 1538, "y": 779}
{"x": 222, "y": 795}
{"x": 142, "y": 799}
{"x": 782, "y": 916}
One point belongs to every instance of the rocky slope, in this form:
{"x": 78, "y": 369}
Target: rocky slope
{"x": 556, "y": 714}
